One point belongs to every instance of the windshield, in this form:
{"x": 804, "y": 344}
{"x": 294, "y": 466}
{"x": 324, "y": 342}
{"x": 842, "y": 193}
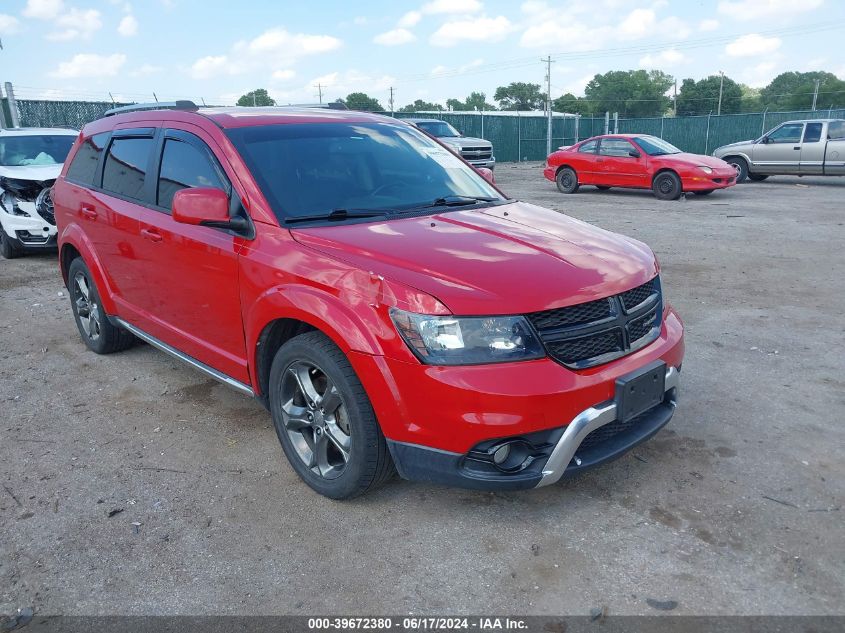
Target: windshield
{"x": 440, "y": 129}
{"x": 317, "y": 168}
{"x": 654, "y": 146}
{"x": 20, "y": 151}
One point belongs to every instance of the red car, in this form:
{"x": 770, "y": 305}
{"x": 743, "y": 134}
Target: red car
{"x": 637, "y": 161}
{"x": 391, "y": 307}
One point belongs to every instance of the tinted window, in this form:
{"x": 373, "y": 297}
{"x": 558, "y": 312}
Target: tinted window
{"x": 126, "y": 166}
{"x": 589, "y": 147}
{"x": 183, "y": 166}
{"x": 787, "y": 134}
{"x": 316, "y": 168}
{"x": 813, "y": 133}
{"x": 440, "y": 129}
{"x": 83, "y": 167}
{"x": 33, "y": 149}
{"x": 836, "y": 129}
{"x": 615, "y": 147}
{"x": 654, "y": 146}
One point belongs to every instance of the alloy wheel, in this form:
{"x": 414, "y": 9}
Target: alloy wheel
{"x": 315, "y": 419}
{"x": 87, "y": 308}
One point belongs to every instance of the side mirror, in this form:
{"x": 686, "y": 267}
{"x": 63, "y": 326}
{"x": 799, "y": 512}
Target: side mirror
{"x": 205, "y": 206}
{"x": 765, "y": 140}
{"x": 486, "y": 173}
{"x": 634, "y": 153}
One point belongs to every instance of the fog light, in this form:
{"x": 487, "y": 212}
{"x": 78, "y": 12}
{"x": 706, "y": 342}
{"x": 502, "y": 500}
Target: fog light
{"x": 501, "y": 455}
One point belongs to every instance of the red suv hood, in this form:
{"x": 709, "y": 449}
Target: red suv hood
{"x": 509, "y": 259}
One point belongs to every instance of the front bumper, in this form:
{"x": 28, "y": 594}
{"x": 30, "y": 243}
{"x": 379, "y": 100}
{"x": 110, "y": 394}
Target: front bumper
{"x": 719, "y": 179}
{"x": 557, "y": 453}
{"x": 30, "y": 229}
{"x": 489, "y": 163}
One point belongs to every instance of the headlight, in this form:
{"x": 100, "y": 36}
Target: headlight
{"x": 448, "y": 340}
{"x": 705, "y": 169}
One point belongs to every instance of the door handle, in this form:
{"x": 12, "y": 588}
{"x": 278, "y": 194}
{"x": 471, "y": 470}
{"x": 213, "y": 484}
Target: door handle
{"x": 88, "y": 211}
{"x": 797, "y": 147}
{"x": 152, "y": 235}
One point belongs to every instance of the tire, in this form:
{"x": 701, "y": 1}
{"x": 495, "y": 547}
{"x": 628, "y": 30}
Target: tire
{"x": 757, "y": 177}
{"x": 602, "y": 187}
{"x": 706, "y": 192}
{"x": 324, "y": 419}
{"x": 741, "y": 167}
{"x": 97, "y": 331}
{"x": 10, "y": 248}
{"x": 567, "y": 180}
{"x": 666, "y": 186}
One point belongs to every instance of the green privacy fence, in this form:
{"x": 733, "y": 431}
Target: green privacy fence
{"x": 515, "y": 136}
{"x": 524, "y": 137}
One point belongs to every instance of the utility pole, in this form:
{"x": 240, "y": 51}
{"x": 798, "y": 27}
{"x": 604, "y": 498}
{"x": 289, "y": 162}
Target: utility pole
{"x": 155, "y": 97}
{"x": 721, "y": 83}
{"x": 816, "y": 93}
{"x": 319, "y": 88}
{"x": 548, "y": 62}
{"x": 254, "y": 103}
{"x": 391, "y": 100}
{"x": 675, "y": 100}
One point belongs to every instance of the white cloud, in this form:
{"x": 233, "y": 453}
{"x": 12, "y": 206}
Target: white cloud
{"x": 90, "y": 65}
{"x": 128, "y": 26}
{"x": 761, "y": 9}
{"x": 751, "y": 45}
{"x": 480, "y": 29}
{"x": 451, "y": 6}
{"x": 638, "y": 23}
{"x": 708, "y": 25}
{"x": 272, "y": 49}
{"x": 668, "y": 58}
{"x": 8, "y": 24}
{"x": 76, "y": 24}
{"x": 394, "y": 37}
{"x": 760, "y": 75}
{"x": 146, "y": 70}
{"x": 457, "y": 70}
{"x": 43, "y": 9}
{"x": 411, "y": 18}
{"x": 284, "y": 74}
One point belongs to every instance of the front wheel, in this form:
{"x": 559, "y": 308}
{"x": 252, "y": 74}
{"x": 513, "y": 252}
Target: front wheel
{"x": 324, "y": 419}
{"x": 667, "y": 186}
{"x": 741, "y": 167}
{"x": 10, "y": 248}
{"x": 567, "y": 180}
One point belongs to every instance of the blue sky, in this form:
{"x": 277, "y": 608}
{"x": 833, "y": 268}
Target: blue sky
{"x": 429, "y": 49}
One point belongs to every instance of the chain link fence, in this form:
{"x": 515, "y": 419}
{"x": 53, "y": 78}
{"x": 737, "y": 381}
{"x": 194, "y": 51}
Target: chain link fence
{"x": 72, "y": 114}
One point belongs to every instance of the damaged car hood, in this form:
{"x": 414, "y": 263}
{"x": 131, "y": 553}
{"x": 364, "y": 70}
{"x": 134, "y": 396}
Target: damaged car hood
{"x": 38, "y": 173}
{"x": 509, "y": 259}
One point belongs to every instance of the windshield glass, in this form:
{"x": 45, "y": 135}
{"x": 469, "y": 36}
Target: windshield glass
{"x": 440, "y": 129}
{"x": 20, "y": 151}
{"x": 654, "y": 146}
{"x": 316, "y": 168}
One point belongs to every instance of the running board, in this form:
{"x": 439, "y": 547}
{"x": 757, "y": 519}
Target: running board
{"x": 193, "y": 362}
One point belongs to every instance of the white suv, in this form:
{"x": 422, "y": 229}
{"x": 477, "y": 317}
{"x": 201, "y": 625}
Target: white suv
{"x": 30, "y": 161}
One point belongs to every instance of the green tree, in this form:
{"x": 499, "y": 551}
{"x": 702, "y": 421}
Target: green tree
{"x": 750, "y": 99}
{"x": 701, "y": 97}
{"x": 257, "y": 97}
{"x": 475, "y": 101}
{"x": 631, "y": 93}
{"x": 520, "y": 96}
{"x": 420, "y": 106}
{"x": 794, "y": 91}
{"x": 571, "y": 104}
{"x": 362, "y": 101}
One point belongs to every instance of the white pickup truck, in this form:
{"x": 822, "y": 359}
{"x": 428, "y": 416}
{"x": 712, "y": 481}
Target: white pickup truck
{"x": 799, "y": 148}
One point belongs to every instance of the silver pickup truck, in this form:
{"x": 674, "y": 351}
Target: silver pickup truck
{"x": 799, "y": 148}
{"x": 476, "y": 151}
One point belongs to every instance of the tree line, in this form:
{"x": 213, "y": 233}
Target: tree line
{"x": 632, "y": 93}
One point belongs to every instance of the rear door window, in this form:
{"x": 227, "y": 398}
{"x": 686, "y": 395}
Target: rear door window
{"x": 83, "y": 167}
{"x": 126, "y": 166}
{"x": 836, "y": 129}
{"x": 185, "y": 165}
{"x": 588, "y": 148}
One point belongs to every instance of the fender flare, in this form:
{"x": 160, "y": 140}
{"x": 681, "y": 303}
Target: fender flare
{"x": 74, "y": 236}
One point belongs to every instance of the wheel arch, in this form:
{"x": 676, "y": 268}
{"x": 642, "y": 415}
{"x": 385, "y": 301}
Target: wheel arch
{"x": 664, "y": 170}
{"x": 74, "y": 243}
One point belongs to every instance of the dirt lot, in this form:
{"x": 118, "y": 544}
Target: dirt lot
{"x": 735, "y": 507}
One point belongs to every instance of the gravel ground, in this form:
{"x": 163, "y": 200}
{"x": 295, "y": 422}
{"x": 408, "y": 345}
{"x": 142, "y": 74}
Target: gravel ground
{"x": 734, "y": 508}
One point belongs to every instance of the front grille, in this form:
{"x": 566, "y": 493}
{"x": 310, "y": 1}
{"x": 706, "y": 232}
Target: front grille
{"x": 596, "y": 332}
{"x": 476, "y": 153}
{"x": 608, "y": 431}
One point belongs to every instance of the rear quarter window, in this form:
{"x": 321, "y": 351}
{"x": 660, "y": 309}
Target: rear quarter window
{"x": 836, "y": 130}
{"x": 83, "y": 167}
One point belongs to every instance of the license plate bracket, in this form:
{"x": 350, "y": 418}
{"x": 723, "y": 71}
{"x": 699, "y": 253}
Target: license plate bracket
{"x": 640, "y": 390}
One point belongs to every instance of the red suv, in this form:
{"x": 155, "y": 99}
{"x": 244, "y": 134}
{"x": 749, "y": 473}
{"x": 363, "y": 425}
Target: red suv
{"x": 391, "y": 307}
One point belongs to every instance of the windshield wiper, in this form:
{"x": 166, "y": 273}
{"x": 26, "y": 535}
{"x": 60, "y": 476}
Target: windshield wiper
{"x": 450, "y": 201}
{"x": 337, "y": 215}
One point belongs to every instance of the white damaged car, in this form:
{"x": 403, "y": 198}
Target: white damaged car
{"x": 30, "y": 161}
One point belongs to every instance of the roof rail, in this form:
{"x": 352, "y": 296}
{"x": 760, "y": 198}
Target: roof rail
{"x": 334, "y": 105}
{"x": 137, "y": 107}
